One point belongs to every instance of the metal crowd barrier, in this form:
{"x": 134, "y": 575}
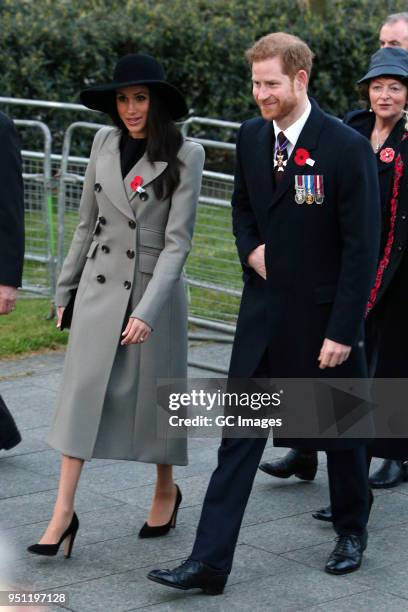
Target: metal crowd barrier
{"x": 41, "y": 239}
{"x": 213, "y": 123}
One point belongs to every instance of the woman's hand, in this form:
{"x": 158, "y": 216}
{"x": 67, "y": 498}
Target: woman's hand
{"x": 60, "y": 312}
{"x": 136, "y": 331}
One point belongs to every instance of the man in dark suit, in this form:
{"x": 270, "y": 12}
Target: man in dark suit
{"x": 306, "y": 218}
{"x": 301, "y": 462}
{"x": 11, "y": 245}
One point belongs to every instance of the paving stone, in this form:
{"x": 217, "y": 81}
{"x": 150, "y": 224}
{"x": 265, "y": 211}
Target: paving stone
{"x": 286, "y": 534}
{"x": 33, "y": 440}
{"x": 99, "y": 526}
{"x": 390, "y": 579}
{"x": 384, "y": 548}
{"x": 194, "y": 491}
{"x": 291, "y": 590}
{"x": 16, "y": 481}
{"x": 281, "y": 551}
{"x": 367, "y": 601}
{"x": 31, "y": 406}
{"x": 132, "y": 589}
{"x": 37, "y": 507}
{"x": 99, "y": 559}
{"x": 47, "y": 462}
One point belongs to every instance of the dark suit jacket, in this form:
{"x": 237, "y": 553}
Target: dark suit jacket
{"x": 320, "y": 259}
{"x": 11, "y": 205}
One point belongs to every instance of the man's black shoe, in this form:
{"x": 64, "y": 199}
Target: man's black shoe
{"x": 9, "y": 434}
{"x": 192, "y": 575}
{"x": 296, "y": 463}
{"x": 323, "y": 514}
{"x": 390, "y": 474}
{"x": 347, "y": 554}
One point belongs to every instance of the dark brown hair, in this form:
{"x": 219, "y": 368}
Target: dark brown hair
{"x": 164, "y": 140}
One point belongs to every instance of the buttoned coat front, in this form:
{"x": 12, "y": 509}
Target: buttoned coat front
{"x": 320, "y": 259}
{"x": 126, "y": 259}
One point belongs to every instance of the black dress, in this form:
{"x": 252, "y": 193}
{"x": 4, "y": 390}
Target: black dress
{"x": 387, "y": 319}
{"x": 131, "y": 150}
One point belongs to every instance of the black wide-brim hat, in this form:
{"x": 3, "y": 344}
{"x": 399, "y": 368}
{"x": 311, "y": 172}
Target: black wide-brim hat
{"x": 136, "y": 69}
{"x": 390, "y": 61}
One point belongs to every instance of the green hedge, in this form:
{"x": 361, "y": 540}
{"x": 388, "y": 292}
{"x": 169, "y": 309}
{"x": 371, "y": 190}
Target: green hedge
{"x": 50, "y": 49}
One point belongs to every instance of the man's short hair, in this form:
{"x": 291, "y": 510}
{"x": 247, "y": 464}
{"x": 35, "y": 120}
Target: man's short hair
{"x": 395, "y": 17}
{"x": 293, "y": 52}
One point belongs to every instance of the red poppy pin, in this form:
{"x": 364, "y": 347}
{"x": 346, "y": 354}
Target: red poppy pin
{"x": 302, "y": 156}
{"x": 387, "y": 155}
{"x": 136, "y": 183}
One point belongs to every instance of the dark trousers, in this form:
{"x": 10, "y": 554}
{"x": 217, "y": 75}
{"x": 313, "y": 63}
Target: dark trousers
{"x": 231, "y": 483}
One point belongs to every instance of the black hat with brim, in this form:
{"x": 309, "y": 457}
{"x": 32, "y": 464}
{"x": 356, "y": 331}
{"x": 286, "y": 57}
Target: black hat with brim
{"x": 136, "y": 69}
{"x": 390, "y": 61}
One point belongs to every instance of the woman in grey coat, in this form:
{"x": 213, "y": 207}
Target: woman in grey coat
{"x": 129, "y": 323}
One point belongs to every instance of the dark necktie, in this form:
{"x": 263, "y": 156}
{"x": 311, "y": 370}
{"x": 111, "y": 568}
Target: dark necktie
{"x": 281, "y": 157}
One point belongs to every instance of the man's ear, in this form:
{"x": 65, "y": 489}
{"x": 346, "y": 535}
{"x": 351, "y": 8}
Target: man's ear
{"x": 301, "y": 79}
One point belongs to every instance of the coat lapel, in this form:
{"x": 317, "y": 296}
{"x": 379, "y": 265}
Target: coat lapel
{"x": 393, "y": 141}
{"x": 147, "y": 170}
{"x": 264, "y": 159}
{"x": 109, "y": 174}
{"x": 308, "y": 139}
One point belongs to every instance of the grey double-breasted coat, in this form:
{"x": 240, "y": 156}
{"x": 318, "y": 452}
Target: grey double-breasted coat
{"x": 126, "y": 259}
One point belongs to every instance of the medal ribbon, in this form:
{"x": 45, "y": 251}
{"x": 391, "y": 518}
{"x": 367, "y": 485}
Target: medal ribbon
{"x": 300, "y": 181}
{"x": 279, "y": 147}
{"x": 309, "y": 183}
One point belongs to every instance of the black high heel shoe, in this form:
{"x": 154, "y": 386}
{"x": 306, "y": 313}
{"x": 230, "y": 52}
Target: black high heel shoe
{"x": 50, "y": 550}
{"x": 153, "y": 532}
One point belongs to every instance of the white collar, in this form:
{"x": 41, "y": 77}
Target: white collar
{"x": 292, "y": 132}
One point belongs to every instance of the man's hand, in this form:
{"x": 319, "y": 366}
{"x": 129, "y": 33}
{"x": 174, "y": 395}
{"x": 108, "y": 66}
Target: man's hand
{"x": 136, "y": 331}
{"x": 256, "y": 259}
{"x": 8, "y": 296}
{"x": 333, "y": 354}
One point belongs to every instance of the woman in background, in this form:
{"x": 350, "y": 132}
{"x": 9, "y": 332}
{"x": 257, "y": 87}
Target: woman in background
{"x": 384, "y": 123}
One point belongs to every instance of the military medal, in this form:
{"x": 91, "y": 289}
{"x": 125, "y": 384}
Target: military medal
{"x": 319, "y": 197}
{"x": 279, "y": 162}
{"x": 309, "y": 189}
{"x": 300, "y": 189}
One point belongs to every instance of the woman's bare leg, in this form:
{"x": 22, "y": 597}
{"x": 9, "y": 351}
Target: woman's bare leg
{"x": 164, "y": 497}
{"x": 64, "y": 505}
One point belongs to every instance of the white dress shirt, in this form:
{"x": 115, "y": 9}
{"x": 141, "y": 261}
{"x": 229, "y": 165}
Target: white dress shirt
{"x": 292, "y": 132}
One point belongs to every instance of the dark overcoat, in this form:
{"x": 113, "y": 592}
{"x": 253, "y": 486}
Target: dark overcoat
{"x": 386, "y": 323}
{"x": 320, "y": 259}
{"x": 11, "y": 205}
